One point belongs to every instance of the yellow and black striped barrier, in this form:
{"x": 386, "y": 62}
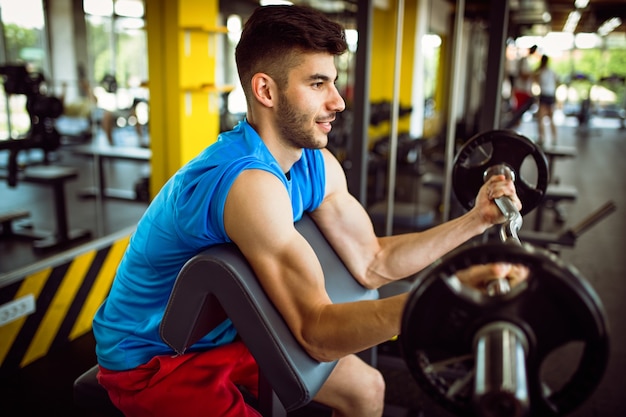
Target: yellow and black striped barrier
{"x": 51, "y": 303}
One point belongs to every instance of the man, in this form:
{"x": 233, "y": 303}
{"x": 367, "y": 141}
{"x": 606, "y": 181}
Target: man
{"x": 249, "y": 188}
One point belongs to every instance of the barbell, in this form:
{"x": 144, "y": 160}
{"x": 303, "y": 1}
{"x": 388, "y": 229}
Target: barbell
{"x": 485, "y": 353}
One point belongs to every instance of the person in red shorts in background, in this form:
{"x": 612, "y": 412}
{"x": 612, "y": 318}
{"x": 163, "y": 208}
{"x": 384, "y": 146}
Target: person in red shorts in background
{"x": 522, "y": 88}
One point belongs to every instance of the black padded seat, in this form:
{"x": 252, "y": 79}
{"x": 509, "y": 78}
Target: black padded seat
{"x": 56, "y": 176}
{"x": 7, "y": 219}
{"x": 558, "y": 151}
{"x": 218, "y": 283}
{"x": 561, "y": 192}
{"x": 554, "y": 195}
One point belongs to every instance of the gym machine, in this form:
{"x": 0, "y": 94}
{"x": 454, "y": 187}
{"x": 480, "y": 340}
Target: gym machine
{"x": 42, "y": 110}
{"x": 485, "y": 353}
{"x": 42, "y": 134}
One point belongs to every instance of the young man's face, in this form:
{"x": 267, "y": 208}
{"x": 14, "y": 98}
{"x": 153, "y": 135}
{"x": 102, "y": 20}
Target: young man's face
{"x": 308, "y": 105}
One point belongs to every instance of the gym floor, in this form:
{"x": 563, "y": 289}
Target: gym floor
{"x": 44, "y": 388}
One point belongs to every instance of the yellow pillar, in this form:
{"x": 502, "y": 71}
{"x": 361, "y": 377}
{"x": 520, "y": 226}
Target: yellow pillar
{"x": 184, "y": 102}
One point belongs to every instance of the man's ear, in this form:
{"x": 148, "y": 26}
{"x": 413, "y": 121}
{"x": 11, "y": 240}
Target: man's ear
{"x": 263, "y": 89}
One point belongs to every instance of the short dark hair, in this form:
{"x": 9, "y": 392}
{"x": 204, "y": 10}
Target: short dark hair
{"x": 274, "y": 37}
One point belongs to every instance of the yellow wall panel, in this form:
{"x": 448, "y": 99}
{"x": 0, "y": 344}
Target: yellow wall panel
{"x": 198, "y": 13}
{"x": 199, "y": 121}
{"x": 183, "y": 38}
{"x": 197, "y": 58}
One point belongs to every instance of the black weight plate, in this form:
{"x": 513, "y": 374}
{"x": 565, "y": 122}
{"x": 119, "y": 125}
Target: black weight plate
{"x": 554, "y": 307}
{"x": 496, "y": 147}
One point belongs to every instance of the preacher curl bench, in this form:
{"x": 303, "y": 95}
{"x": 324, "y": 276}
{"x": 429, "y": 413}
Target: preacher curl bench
{"x": 219, "y": 283}
{"x": 474, "y": 354}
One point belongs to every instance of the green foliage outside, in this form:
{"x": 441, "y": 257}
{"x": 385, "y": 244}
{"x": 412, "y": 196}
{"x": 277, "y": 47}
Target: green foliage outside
{"x": 20, "y": 40}
{"x": 595, "y": 63}
{"x": 582, "y": 69}
{"x": 131, "y": 53}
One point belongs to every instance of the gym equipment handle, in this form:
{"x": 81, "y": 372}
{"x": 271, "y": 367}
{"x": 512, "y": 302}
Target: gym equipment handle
{"x": 594, "y": 218}
{"x": 500, "y": 387}
{"x": 513, "y": 223}
{"x": 498, "y": 286}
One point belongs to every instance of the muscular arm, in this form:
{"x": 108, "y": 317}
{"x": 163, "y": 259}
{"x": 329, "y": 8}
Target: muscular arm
{"x": 377, "y": 261}
{"x": 258, "y": 218}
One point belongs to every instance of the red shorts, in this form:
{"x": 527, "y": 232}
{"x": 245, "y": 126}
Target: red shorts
{"x": 190, "y": 385}
{"x": 521, "y": 97}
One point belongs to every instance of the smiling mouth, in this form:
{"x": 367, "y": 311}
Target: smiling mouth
{"x": 325, "y": 125}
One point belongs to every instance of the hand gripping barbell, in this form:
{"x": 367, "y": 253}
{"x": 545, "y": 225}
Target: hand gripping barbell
{"x": 483, "y": 354}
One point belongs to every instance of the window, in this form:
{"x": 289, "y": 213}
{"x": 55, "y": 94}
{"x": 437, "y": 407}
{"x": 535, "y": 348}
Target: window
{"x": 118, "y": 50}
{"x": 23, "y": 42}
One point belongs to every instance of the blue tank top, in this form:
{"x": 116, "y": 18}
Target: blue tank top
{"x": 186, "y": 217}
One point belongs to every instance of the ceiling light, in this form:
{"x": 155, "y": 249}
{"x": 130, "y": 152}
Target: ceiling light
{"x": 98, "y": 8}
{"x": 129, "y": 8}
{"x": 587, "y": 41}
{"x": 609, "y": 26}
{"x": 275, "y": 2}
{"x": 581, "y": 4}
{"x": 555, "y": 43}
{"x": 572, "y": 21}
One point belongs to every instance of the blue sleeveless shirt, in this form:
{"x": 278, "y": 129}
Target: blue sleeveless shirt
{"x": 186, "y": 217}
